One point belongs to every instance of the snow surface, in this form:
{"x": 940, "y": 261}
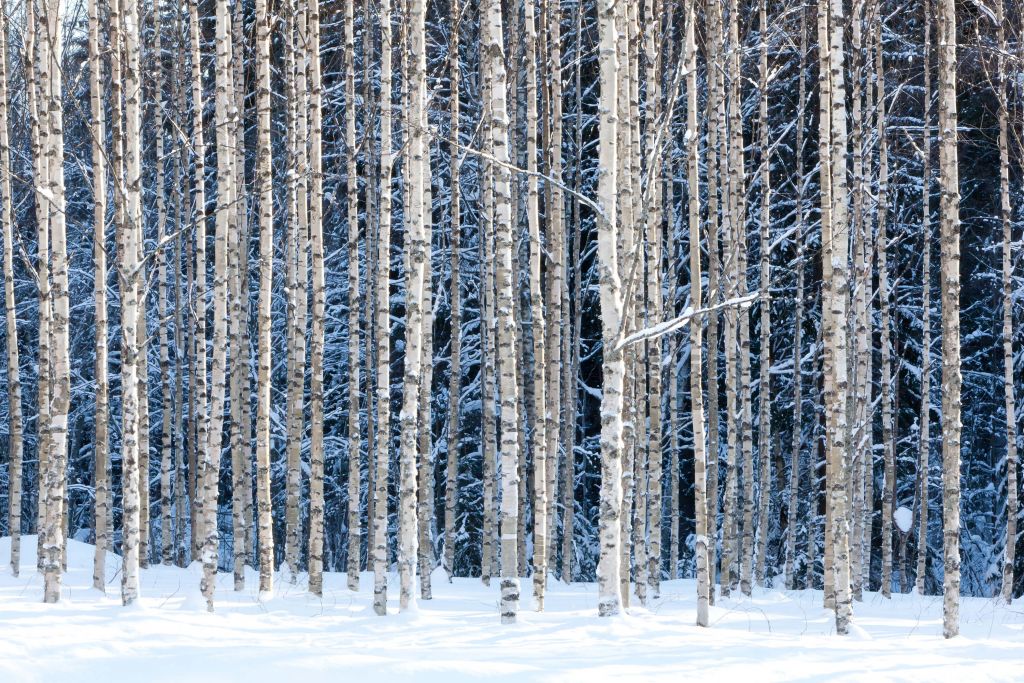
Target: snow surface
{"x": 774, "y": 636}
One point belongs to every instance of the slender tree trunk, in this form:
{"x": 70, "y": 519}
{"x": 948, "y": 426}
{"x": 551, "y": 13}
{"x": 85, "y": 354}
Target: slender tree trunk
{"x": 715, "y": 136}
{"x": 882, "y": 250}
{"x": 99, "y": 259}
{"x": 451, "y": 491}
{"x": 383, "y": 286}
{"x": 924, "y": 450}
{"x": 199, "y": 415}
{"x": 764, "y": 434}
{"x": 949, "y": 240}
{"x": 610, "y": 17}
{"x": 264, "y": 190}
{"x": 696, "y": 301}
{"x": 15, "y": 439}
{"x": 354, "y": 523}
{"x": 317, "y": 323}
{"x": 798, "y": 321}
{"x": 1008, "y": 390}
{"x": 131, "y": 307}
{"x": 226, "y": 229}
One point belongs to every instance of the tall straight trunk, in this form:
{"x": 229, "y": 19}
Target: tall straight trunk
{"x": 37, "y": 125}
{"x": 166, "y": 441}
{"x": 317, "y": 322}
{"x": 949, "y": 240}
{"x": 264, "y": 191}
{"x": 859, "y": 436}
{"x": 15, "y": 441}
{"x": 299, "y": 226}
{"x": 131, "y": 306}
{"x": 715, "y": 136}
{"x": 242, "y": 362}
{"x": 798, "y": 320}
{"x": 825, "y": 329}
{"x": 538, "y": 435}
{"x": 425, "y": 465}
{"x": 451, "y": 490}
{"x": 571, "y": 350}
{"x": 924, "y": 448}
{"x": 737, "y": 201}
{"x": 654, "y": 302}
{"x": 733, "y": 230}
{"x": 226, "y": 229}
{"x": 489, "y": 447}
{"x": 836, "y": 343}
{"x": 764, "y": 433}
{"x": 199, "y": 415}
{"x": 1008, "y": 391}
{"x": 51, "y": 214}
{"x": 99, "y": 259}
{"x": 696, "y": 301}
{"x": 236, "y": 365}
{"x": 610, "y": 17}
{"x": 882, "y": 251}
{"x": 416, "y": 236}
{"x": 383, "y": 287}
{"x": 352, "y": 207}
{"x": 492, "y": 38}
{"x": 556, "y": 292}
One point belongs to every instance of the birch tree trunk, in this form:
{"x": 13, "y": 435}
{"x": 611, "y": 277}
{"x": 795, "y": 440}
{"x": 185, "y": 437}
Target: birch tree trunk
{"x": 610, "y": 17}
{"x": 949, "y": 239}
{"x": 836, "y": 348}
{"x": 800, "y": 266}
{"x": 199, "y": 414}
{"x": 383, "y": 286}
{"x": 1008, "y": 390}
{"x": 924, "y": 449}
{"x": 226, "y": 229}
{"x": 764, "y": 434}
{"x": 352, "y": 206}
{"x": 163, "y": 306}
{"x": 538, "y": 436}
{"x": 264, "y": 190}
{"x": 317, "y": 323}
{"x": 882, "y": 250}
{"x": 131, "y": 308}
{"x": 417, "y": 175}
{"x": 451, "y": 491}
{"x": 696, "y": 301}
{"x": 492, "y": 36}
{"x": 99, "y": 260}
{"x": 15, "y": 443}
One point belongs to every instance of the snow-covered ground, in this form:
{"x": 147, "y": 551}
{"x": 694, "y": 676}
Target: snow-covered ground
{"x": 776, "y": 635}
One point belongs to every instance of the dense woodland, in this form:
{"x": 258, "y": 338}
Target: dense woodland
{"x": 578, "y": 290}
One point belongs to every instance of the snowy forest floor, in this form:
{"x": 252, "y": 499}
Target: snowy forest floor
{"x": 774, "y": 635}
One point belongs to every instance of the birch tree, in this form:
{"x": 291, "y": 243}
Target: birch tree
{"x": 949, "y": 240}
